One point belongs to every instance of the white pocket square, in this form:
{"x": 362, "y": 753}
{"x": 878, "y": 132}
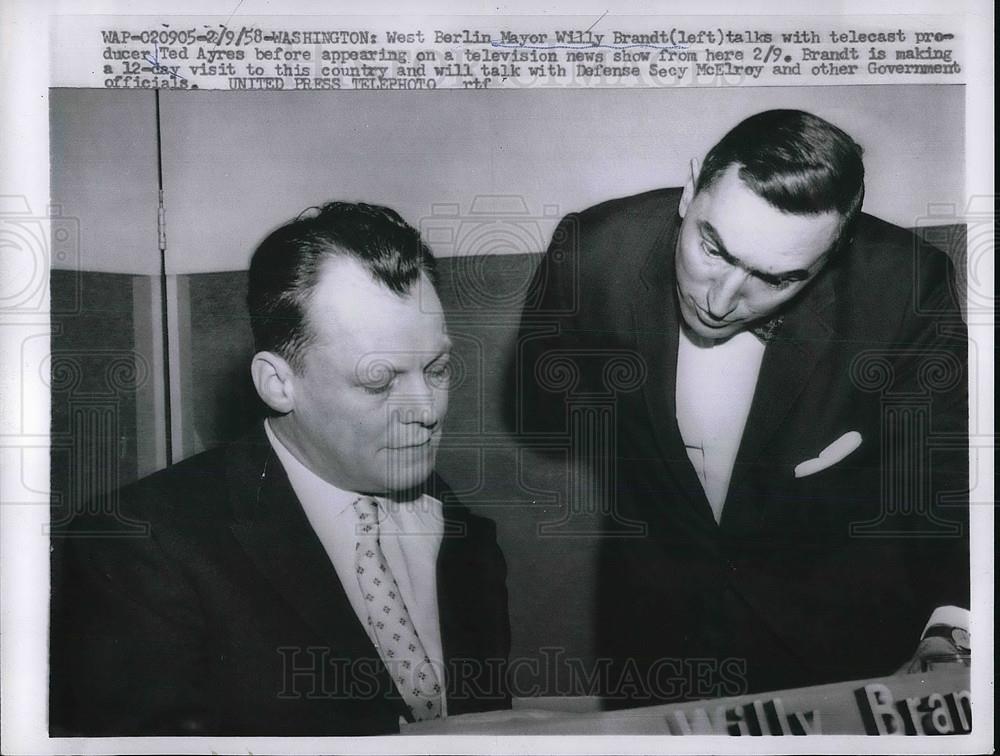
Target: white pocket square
{"x": 831, "y": 455}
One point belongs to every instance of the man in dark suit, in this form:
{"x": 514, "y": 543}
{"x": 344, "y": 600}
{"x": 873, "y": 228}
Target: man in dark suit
{"x": 316, "y": 577}
{"x": 784, "y": 489}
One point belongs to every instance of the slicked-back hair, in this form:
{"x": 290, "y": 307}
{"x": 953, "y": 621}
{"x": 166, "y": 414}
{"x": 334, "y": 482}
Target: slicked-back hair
{"x": 286, "y": 267}
{"x": 796, "y": 161}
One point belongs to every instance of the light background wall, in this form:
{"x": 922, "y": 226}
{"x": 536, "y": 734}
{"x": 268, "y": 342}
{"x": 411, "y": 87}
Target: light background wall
{"x": 237, "y": 164}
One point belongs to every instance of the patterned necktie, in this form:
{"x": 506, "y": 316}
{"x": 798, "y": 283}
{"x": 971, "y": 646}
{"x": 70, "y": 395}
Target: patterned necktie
{"x": 396, "y": 636}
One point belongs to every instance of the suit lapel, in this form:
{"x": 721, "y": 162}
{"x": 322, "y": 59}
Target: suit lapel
{"x": 273, "y": 530}
{"x": 450, "y": 596}
{"x": 456, "y": 588}
{"x": 472, "y": 609}
{"x": 789, "y": 361}
{"x": 656, "y": 314}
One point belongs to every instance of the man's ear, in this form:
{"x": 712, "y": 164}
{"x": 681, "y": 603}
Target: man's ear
{"x": 689, "y": 185}
{"x": 273, "y": 378}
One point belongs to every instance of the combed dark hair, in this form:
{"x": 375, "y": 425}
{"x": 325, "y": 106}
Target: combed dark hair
{"x": 286, "y": 267}
{"x": 796, "y": 161}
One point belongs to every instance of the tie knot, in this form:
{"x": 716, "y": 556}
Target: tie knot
{"x": 367, "y": 510}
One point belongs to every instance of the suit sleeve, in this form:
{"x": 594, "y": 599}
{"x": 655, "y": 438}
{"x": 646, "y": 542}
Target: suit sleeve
{"x": 934, "y": 372}
{"x": 125, "y": 655}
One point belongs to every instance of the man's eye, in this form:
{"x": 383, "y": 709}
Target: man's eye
{"x": 379, "y": 388}
{"x": 710, "y": 250}
{"x": 439, "y": 374}
{"x": 779, "y": 285}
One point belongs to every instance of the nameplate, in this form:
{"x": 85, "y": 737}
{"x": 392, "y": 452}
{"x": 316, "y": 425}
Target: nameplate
{"x": 935, "y": 703}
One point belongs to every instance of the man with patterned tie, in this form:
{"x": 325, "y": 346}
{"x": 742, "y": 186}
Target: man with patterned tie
{"x": 786, "y": 498}
{"x": 316, "y": 577}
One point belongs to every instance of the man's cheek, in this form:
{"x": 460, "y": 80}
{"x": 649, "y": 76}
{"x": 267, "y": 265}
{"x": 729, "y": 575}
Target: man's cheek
{"x": 441, "y": 405}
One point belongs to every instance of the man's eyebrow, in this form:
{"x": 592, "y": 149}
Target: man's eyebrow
{"x": 445, "y": 350}
{"x": 708, "y": 231}
{"x": 387, "y": 372}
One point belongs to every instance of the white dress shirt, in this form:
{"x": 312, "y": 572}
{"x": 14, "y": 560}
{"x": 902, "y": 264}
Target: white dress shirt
{"x": 410, "y": 535}
{"x": 715, "y": 387}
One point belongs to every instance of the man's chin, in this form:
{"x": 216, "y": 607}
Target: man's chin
{"x": 711, "y": 333}
{"x": 407, "y": 479}
{"x": 407, "y": 490}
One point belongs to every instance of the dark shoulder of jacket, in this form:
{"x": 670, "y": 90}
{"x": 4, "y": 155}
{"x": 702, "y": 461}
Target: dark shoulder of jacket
{"x": 889, "y": 275}
{"x": 195, "y": 488}
{"x": 627, "y": 224}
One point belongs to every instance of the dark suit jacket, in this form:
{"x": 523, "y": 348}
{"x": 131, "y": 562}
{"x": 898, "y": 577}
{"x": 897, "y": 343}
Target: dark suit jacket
{"x": 228, "y": 617}
{"x": 804, "y": 580}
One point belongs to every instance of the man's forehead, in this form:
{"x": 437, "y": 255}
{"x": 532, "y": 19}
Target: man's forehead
{"x": 349, "y": 306}
{"x": 759, "y": 234}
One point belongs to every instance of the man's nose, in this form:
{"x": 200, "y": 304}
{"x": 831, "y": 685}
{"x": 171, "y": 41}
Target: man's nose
{"x": 422, "y": 405}
{"x": 420, "y": 413}
{"x": 724, "y": 295}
